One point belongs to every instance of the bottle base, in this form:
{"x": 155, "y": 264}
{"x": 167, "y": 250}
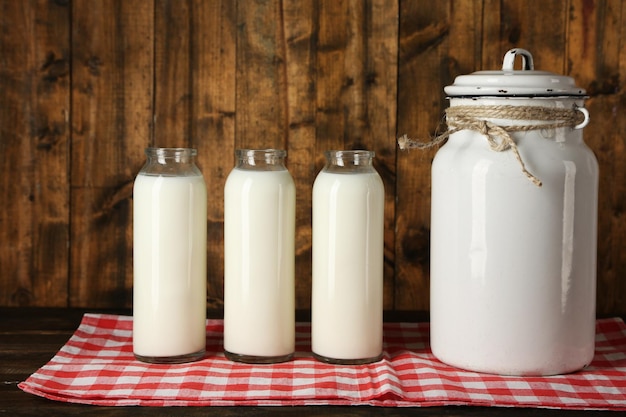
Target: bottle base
{"x": 335, "y": 361}
{"x": 236, "y": 357}
{"x": 190, "y": 357}
{"x": 510, "y": 368}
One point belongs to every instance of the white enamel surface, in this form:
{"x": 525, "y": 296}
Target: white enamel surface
{"x": 169, "y": 243}
{"x": 511, "y": 82}
{"x": 259, "y": 233}
{"x": 347, "y": 293}
{"x": 513, "y": 265}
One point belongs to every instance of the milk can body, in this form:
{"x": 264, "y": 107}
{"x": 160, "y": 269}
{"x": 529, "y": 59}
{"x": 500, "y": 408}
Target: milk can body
{"x": 347, "y": 290}
{"x": 259, "y": 257}
{"x": 513, "y": 264}
{"x": 169, "y": 258}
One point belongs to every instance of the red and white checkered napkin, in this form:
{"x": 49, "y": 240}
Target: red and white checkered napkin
{"x": 97, "y": 366}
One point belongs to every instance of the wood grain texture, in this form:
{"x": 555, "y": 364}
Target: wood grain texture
{"x": 423, "y": 31}
{"x": 597, "y": 60}
{"x": 85, "y": 86}
{"x": 213, "y": 94}
{"x": 380, "y": 91}
{"x": 172, "y": 73}
{"x": 111, "y": 115}
{"x": 34, "y": 144}
{"x": 356, "y": 89}
{"x": 261, "y": 120}
{"x": 299, "y": 26}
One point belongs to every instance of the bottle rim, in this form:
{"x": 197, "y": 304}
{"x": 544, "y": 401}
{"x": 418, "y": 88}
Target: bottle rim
{"x": 356, "y": 155}
{"x": 260, "y": 153}
{"x": 170, "y": 152}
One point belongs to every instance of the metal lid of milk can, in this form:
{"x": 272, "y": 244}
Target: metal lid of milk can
{"x": 509, "y": 82}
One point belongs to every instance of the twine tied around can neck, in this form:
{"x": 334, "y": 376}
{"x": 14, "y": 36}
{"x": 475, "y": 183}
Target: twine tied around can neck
{"x": 499, "y": 137}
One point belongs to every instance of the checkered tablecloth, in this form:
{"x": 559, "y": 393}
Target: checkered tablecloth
{"x": 96, "y": 366}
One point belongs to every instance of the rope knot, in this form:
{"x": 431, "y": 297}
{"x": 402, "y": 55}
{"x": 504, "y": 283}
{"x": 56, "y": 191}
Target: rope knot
{"x": 499, "y": 137}
{"x": 483, "y": 128}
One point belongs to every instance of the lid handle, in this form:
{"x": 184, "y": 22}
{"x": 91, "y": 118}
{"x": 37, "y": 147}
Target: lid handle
{"x": 509, "y": 60}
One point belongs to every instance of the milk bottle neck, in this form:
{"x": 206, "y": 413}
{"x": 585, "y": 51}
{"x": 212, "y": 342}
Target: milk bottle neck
{"x": 261, "y": 159}
{"x": 171, "y": 162}
{"x": 352, "y": 161}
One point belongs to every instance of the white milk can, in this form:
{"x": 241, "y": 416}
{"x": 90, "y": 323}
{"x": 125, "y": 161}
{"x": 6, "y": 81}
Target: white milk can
{"x": 514, "y": 220}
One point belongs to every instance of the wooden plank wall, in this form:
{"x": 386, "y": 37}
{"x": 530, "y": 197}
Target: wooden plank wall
{"x": 86, "y": 85}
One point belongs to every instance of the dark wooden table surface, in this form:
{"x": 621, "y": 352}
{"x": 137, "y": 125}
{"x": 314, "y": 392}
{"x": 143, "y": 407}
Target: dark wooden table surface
{"x": 29, "y": 337}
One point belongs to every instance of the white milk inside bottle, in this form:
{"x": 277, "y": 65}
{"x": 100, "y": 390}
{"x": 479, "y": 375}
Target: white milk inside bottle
{"x": 169, "y": 233}
{"x": 259, "y": 258}
{"x": 347, "y": 293}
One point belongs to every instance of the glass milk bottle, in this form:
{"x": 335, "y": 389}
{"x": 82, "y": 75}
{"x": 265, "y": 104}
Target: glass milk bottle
{"x": 259, "y": 258}
{"x": 513, "y": 225}
{"x": 169, "y": 258}
{"x": 347, "y": 293}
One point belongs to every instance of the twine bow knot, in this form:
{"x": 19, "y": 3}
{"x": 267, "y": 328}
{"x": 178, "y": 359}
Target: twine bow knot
{"x": 499, "y": 137}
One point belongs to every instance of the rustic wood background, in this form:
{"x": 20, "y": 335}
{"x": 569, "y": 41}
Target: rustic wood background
{"x": 86, "y": 85}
